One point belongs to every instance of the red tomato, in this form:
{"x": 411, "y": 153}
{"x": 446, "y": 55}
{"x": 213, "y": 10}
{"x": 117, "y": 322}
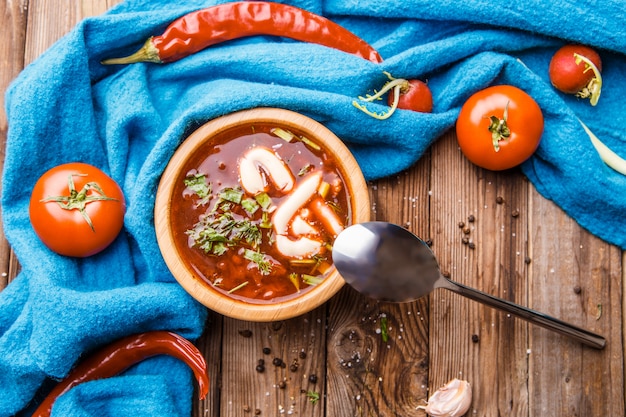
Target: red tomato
{"x": 499, "y": 127}
{"x": 76, "y": 209}
{"x": 568, "y": 73}
{"x": 416, "y": 96}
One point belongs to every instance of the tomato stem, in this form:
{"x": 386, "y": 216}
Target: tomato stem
{"x": 398, "y": 85}
{"x": 78, "y": 200}
{"x": 593, "y": 89}
{"x": 499, "y": 128}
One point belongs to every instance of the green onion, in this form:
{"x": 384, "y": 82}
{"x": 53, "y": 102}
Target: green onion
{"x": 312, "y": 280}
{"x": 308, "y": 142}
{"x": 265, "y": 221}
{"x": 264, "y": 200}
{"x": 285, "y": 135}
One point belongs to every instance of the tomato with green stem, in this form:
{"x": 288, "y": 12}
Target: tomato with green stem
{"x": 499, "y": 127}
{"x": 76, "y": 209}
{"x": 576, "y": 69}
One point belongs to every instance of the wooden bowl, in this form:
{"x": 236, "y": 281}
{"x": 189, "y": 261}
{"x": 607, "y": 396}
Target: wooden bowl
{"x": 187, "y": 276}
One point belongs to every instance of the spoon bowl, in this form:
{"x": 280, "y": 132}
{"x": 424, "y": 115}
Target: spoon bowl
{"x": 389, "y": 263}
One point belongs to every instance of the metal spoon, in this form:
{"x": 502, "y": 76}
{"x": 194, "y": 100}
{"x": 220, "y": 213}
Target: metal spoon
{"x": 387, "y": 262}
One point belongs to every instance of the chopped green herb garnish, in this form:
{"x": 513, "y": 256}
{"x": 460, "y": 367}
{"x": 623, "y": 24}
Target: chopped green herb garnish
{"x": 199, "y": 185}
{"x": 207, "y": 238}
{"x": 250, "y": 205}
{"x": 215, "y": 232}
{"x": 246, "y": 230}
{"x": 384, "y": 329}
{"x": 264, "y": 265}
{"x": 219, "y": 248}
{"x": 313, "y": 396}
{"x": 234, "y": 195}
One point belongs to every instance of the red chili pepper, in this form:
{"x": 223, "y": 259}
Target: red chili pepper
{"x": 122, "y": 354}
{"x": 200, "y": 29}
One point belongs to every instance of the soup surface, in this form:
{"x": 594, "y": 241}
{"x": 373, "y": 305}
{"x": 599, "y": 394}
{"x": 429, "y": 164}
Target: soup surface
{"x": 257, "y": 211}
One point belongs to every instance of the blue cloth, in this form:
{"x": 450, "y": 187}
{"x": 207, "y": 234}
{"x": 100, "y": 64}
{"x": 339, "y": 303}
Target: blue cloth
{"x": 128, "y": 120}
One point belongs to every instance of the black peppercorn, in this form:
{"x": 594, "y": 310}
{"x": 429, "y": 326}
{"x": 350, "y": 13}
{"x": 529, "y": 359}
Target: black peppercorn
{"x": 313, "y": 379}
{"x": 245, "y": 333}
{"x": 267, "y": 350}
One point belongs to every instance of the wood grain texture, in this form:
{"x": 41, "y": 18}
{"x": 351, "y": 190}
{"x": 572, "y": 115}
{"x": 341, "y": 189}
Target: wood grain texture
{"x": 523, "y": 248}
{"x": 468, "y": 340}
{"x": 13, "y": 31}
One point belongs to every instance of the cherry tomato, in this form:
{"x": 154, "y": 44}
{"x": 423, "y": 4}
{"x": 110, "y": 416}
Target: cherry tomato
{"x": 499, "y": 127}
{"x": 571, "y": 74}
{"x": 76, "y": 209}
{"x": 415, "y": 95}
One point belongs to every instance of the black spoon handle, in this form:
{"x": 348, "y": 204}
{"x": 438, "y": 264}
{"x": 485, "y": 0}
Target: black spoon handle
{"x": 584, "y": 336}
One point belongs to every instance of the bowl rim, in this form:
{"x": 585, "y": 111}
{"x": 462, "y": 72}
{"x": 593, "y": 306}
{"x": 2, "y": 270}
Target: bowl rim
{"x": 239, "y": 309}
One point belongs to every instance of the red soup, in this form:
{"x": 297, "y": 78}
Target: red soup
{"x": 257, "y": 211}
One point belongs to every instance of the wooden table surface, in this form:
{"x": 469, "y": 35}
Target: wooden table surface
{"x": 525, "y": 250}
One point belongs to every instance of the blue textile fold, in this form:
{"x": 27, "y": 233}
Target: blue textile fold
{"x": 128, "y": 120}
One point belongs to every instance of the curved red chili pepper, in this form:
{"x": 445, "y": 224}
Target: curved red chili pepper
{"x": 122, "y": 354}
{"x": 200, "y": 29}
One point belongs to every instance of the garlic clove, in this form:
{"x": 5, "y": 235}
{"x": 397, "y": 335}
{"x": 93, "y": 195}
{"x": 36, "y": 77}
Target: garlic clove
{"x": 451, "y": 400}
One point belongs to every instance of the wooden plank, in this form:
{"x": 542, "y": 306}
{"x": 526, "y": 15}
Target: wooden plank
{"x": 468, "y": 340}
{"x": 517, "y": 369}
{"x": 210, "y": 344}
{"x": 564, "y": 376}
{"x": 367, "y": 374}
{"x": 282, "y": 388}
{"x": 13, "y": 31}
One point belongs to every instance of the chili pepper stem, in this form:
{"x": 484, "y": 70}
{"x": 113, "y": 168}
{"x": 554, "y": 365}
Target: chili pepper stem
{"x": 147, "y": 53}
